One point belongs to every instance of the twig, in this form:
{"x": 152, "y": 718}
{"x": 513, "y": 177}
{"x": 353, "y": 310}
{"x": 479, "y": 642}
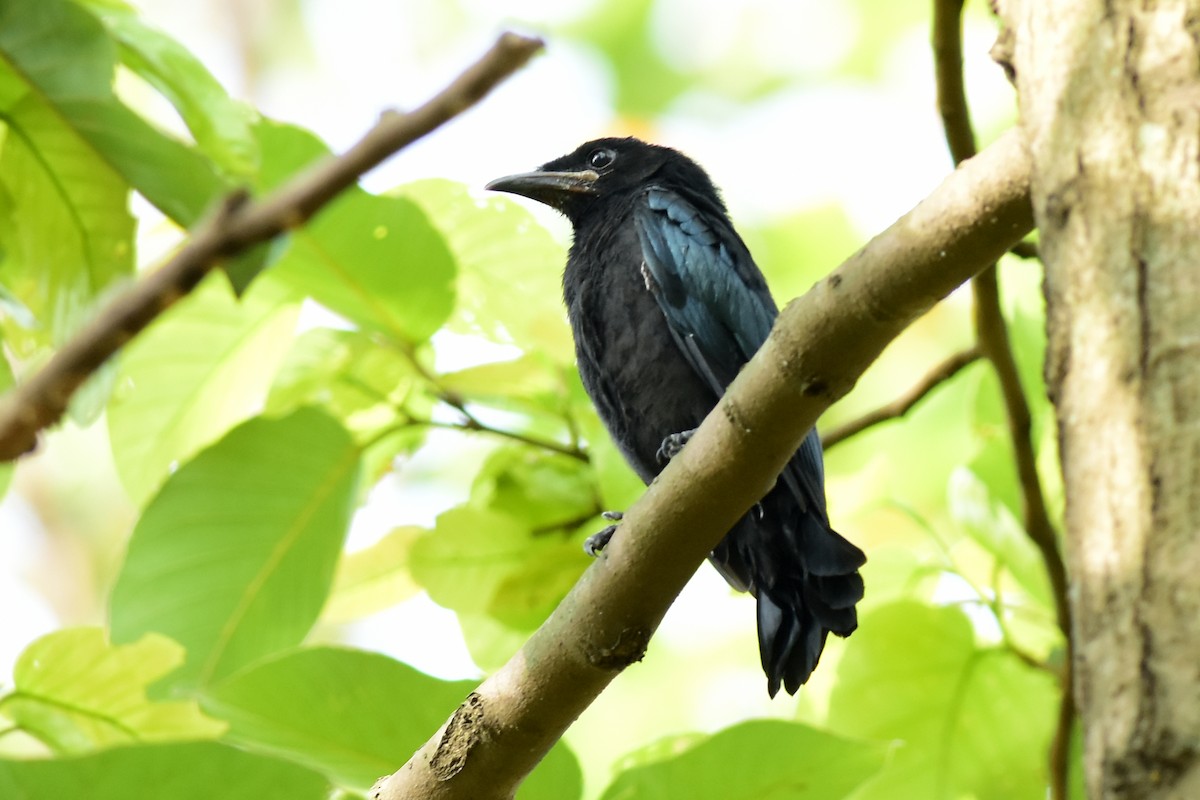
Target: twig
{"x": 1025, "y": 249}
{"x": 473, "y": 424}
{"x": 820, "y": 345}
{"x": 904, "y": 403}
{"x": 238, "y": 225}
{"x": 992, "y": 336}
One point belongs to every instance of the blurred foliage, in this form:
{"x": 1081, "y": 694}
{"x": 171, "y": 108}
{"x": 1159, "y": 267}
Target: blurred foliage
{"x": 248, "y": 450}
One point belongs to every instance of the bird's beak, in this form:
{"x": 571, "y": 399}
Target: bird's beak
{"x": 551, "y": 188}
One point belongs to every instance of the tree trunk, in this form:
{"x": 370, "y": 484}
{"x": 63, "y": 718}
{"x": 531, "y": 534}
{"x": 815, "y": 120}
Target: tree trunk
{"x": 1110, "y": 102}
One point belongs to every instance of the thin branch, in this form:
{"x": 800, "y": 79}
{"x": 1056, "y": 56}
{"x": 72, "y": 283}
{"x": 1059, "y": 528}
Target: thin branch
{"x": 1025, "y": 249}
{"x": 238, "y": 225}
{"x": 905, "y": 402}
{"x": 473, "y": 424}
{"x": 820, "y": 345}
{"x": 992, "y": 336}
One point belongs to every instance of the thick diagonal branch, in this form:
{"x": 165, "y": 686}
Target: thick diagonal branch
{"x": 238, "y": 225}
{"x": 819, "y": 347}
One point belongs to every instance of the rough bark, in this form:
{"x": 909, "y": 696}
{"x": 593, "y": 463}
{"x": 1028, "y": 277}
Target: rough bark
{"x": 1110, "y": 102}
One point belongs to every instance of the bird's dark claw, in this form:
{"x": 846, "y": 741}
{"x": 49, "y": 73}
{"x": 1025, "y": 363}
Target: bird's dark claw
{"x": 673, "y": 445}
{"x": 598, "y": 541}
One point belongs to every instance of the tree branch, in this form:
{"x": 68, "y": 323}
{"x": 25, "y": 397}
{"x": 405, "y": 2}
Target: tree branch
{"x": 820, "y": 345}
{"x": 904, "y": 403}
{"x": 238, "y": 225}
{"x": 991, "y": 333}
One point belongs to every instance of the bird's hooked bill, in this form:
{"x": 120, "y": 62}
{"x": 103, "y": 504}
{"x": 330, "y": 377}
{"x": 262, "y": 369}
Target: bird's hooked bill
{"x": 547, "y": 187}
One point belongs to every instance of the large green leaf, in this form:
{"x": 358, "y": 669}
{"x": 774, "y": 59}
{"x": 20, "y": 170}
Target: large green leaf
{"x": 65, "y": 232}
{"x": 336, "y": 709}
{"x": 374, "y": 578}
{"x": 221, "y": 126}
{"x": 377, "y": 261}
{"x": 201, "y": 368}
{"x": 973, "y": 721}
{"x": 76, "y": 692}
{"x": 509, "y": 268}
{"x": 191, "y": 771}
{"x": 758, "y": 760}
{"x": 235, "y": 556}
{"x": 62, "y": 60}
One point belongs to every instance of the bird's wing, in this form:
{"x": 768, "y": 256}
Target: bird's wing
{"x": 716, "y": 303}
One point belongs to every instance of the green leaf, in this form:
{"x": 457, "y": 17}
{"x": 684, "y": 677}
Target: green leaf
{"x": 509, "y": 268}
{"x": 464, "y": 560}
{"x": 198, "y": 370}
{"x": 758, "y": 760}
{"x": 490, "y": 642}
{"x": 221, "y": 126}
{"x": 6, "y": 383}
{"x": 63, "y": 61}
{"x": 546, "y": 491}
{"x": 993, "y": 527}
{"x": 356, "y": 378}
{"x": 190, "y": 771}
{"x": 336, "y": 709}
{"x": 973, "y": 721}
{"x": 65, "y": 232}
{"x": 483, "y": 561}
{"x": 528, "y": 383}
{"x": 557, "y": 777}
{"x": 76, "y": 692}
{"x": 235, "y": 556}
{"x": 374, "y": 578}
{"x": 377, "y": 261}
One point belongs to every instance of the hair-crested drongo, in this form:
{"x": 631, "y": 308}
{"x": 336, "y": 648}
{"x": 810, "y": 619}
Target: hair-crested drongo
{"x": 666, "y": 305}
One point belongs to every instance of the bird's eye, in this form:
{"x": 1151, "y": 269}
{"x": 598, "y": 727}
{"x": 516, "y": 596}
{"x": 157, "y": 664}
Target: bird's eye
{"x": 599, "y": 159}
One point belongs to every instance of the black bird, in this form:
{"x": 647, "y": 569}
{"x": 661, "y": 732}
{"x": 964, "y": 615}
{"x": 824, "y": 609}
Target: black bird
{"x": 667, "y": 305}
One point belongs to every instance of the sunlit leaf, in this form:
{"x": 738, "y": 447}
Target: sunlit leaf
{"x": 544, "y": 490}
{"x": 356, "y": 378}
{"x": 479, "y": 561}
{"x": 374, "y": 578}
{"x": 220, "y": 125}
{"x": 376, "y": 261}
{"x": 235, "y": 555}
{"x": 759, "y": 760}
{"x": 76, "y": 692}
{"x": 65, "y": 232}
{"x": 509, "y": 268}
{"x": 64, "y": 59}
{"x": 973, "y": 721}
{"x": 197, "y": 371}
{"x": 189, "y": 771}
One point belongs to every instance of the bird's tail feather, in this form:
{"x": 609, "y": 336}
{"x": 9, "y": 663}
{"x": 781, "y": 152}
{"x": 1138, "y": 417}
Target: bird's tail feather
{"x": 807, "y": 583}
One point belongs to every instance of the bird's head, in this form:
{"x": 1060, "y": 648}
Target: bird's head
{"x": 604, "y": 168}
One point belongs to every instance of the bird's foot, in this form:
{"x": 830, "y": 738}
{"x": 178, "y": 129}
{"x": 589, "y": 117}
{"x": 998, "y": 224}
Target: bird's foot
{"x": 673, "y": 445}
{"x": 598, "y": 541}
